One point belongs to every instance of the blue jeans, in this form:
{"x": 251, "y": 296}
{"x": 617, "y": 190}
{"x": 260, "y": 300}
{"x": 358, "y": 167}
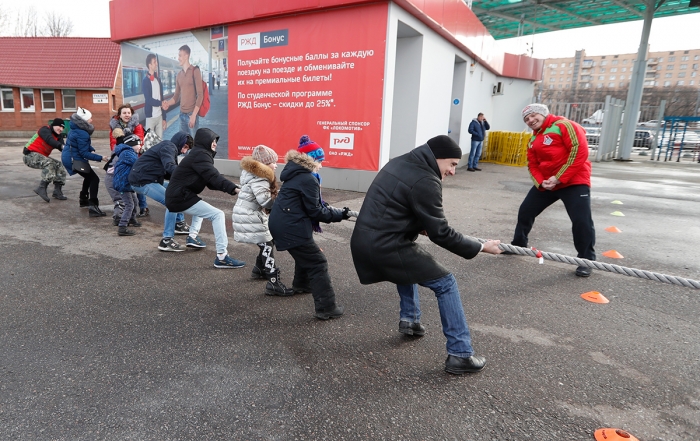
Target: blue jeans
{"x": 156, "y": 192}
{"x": 475, "y": 154}
{"x": 185, "y": 123}
{"x": 454, "y": 322}
{"x": 202, "y": 210}
{"x": 142, "y": 201}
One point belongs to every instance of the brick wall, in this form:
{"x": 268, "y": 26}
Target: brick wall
{"x": 22, "y": 123}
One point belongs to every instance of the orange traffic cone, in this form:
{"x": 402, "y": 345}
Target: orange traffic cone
{"x": 613, "y": 435}
{"x": 613, "y": 254}
{"x": 595, "y": 297}
{"x": 613, "y": 229}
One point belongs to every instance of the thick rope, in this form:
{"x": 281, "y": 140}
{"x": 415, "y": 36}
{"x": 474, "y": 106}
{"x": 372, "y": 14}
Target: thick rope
{"x": 632, "y": 272}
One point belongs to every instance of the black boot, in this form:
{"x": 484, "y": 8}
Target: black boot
{"x": 123, "y": 231}
{"x": 94, "y": 208}
{"x": 258, "y": 269}
{"x": 41, "y": 190}
{"x": 274, "y": 286}
{"x": 57, "y": 193}
{"x": 84, "y": 201}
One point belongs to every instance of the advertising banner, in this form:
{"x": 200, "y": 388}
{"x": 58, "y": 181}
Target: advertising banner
{"x": 318, "y": 74}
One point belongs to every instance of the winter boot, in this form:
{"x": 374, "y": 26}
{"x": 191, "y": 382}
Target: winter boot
{"x": 258, "y": 269}
{"x": 123, "y": 231}
{"x": 41, "y": 190}
{"x": 94, "y": 209}
{"x": 57, "y": 193}
{"x": 84, "y": 201}
{"x": 274, "y": 286}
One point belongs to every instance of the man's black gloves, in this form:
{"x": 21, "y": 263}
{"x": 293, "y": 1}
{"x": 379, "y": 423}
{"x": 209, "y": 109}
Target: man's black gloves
{"x": 346, "y": 210}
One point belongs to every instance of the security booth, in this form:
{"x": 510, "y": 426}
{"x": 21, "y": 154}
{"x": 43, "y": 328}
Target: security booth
{"x": 366, "y": 80}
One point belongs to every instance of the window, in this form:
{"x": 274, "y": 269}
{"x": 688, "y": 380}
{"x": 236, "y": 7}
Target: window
{"x": 661, "y": 59}
{"x": 48, "y": 100}
{"x": 601, "y": 77}
{"x": 8, "y": 100}
{"x": 695, "y": 66}
{"x": 671, "y": 59}
{"x": 667, "y": 83}
{"x": 560, "y": 86}
{"x": 624, "y": 69}
{"x": 600, "y": 85}
{"x": 602, "y": 70}
{"x": 69, "y": 102}
{"x": 614, "y": 69}
{"x": 697, "y": 57}
{"x": 611, "y": 85}
{"x": 567, "y": 86}
{"x": 561, "y": 73}
{"x": 571, "y": 64}
{"x": 669, "y": 67}
{"x": 612, "y": 77}
{"x": 684, "y": 66}
{"x": 563, "y": 64}
{"x": 27, "y": 99}
{"x": 680, "y": 83}
{"x": 692, "y": 74}
{"x": 668, "y": 75}
{"x": 692, "y": 82}
{"x": 587, "y": 86}
{"x": 603, "y": 63}
{"x": 570, "y": 71}
{"x": 614, "y": 62}
{"x": 681, "y": 75}
{"x": 622, "y": 77}
{"x": 551, "y": 86}
{"x": 624, "y": 61}
{"x": 622, "y": 84}
{"x": 568, "y": 79}
{"x": 684, "y": 58}
{"x": 561, "y": 79}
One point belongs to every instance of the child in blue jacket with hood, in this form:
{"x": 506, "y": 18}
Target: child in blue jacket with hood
{"x": 126, "y": 154}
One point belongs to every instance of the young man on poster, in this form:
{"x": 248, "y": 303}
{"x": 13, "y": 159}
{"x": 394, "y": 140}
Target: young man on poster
{"x": 188, "y": 91}
{"x": 152, "y": 88}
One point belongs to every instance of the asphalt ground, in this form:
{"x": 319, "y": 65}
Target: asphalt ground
{"x": 106, "y": 338}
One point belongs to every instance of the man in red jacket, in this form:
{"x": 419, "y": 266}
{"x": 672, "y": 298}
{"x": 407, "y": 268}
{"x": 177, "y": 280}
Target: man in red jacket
{"x": 557, "y": 158}
{"x": 36, "y": 155}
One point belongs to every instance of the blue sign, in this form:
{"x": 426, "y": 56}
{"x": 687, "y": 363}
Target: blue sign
{"x": 456, "y": 101}
{"x": 274, "y": 38}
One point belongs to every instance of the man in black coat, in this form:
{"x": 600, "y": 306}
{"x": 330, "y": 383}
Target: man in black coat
{"x": 405, "y": 200}
{"x": 195, "y": 172}
{"x": 148, "y": 176}
{"x": 295, "y": 216}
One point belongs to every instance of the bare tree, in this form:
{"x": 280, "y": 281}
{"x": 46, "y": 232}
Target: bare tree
{"x": 27, "y": 23}
{"x": 57, "y": 25}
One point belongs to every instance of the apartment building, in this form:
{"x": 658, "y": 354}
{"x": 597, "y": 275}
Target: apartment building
{"x": 664, "y": 69}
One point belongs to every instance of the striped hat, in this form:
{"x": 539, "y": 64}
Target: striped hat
{"x": 306, "y": 145}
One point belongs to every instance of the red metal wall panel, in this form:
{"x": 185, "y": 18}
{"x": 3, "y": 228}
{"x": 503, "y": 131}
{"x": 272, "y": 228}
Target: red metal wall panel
{"x": 434, "y": 9}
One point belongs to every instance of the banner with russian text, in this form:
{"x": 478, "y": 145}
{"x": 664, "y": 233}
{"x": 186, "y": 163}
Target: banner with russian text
{"x": 318, "y": 74}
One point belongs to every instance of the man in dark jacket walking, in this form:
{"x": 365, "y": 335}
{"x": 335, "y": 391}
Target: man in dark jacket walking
{"x": 195, "y": 172}
{"x": 405, "y": 200}
{"x": 148, "y": 178}
{"x": 295, "y": 216}
{"x": 477, "y": 128}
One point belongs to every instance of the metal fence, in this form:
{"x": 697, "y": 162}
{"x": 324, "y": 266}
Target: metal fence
{"x": 591, "y": 114}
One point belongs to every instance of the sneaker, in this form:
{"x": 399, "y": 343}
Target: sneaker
{"x": 168, "y": 244}
{"x": 228, "y": 262}
{"x": 123, "y": 231}
{"x": 115, "y": 222}
{"x": 143, "y": 213}
{"x": 408, "y": 328}
{"x": 197, "y": 242}
{"x": 134, "y": 223}
{"x": 182, "y": 228}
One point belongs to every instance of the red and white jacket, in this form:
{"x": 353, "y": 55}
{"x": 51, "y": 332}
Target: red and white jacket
{"x": 559, "y": 148}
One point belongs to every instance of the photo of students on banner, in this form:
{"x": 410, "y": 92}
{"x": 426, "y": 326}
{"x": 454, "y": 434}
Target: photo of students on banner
{"x": 178, "y": 82}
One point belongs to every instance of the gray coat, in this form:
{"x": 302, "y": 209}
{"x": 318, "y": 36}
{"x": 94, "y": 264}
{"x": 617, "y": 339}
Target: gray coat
{"x": 250, "y": 222}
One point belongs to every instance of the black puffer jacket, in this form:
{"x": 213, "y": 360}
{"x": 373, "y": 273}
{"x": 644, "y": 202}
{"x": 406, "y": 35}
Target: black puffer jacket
{"x": 405, "y": 199}
{"x": 159, "y": 162}
{"x": 195, "y": 172}
{"x": 298, "y": 204}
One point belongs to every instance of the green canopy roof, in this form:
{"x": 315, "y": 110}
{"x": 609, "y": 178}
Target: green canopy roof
{"x": 503, "y": 18}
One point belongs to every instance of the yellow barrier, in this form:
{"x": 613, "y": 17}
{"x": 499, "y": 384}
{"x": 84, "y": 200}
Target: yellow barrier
{"x": 506, "y": 148}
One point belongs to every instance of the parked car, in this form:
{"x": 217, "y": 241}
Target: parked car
{"x": 592, "y": 135}
{"x": 690, "y": 140}
{"x": 653, "y": 123}
{"x": 643, "y": 138}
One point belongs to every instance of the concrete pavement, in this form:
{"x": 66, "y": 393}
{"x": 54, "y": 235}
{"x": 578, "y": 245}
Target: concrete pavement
{"x": 106, "y": 338}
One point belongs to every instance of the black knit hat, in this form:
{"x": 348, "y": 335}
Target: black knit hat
{"x": 444, "y": 147}
{"x": 57, "y": 122}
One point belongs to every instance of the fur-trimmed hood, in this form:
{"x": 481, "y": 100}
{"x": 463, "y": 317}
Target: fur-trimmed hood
{"x": 301, "y": 159}
{"x": 257, "y": 168}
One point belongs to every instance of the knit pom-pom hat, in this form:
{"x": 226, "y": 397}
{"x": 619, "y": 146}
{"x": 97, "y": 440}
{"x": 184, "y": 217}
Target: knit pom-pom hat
{"x": 306, "y": 145}
{"x": 542, "y": 109}
{"x": 265, "y": 154}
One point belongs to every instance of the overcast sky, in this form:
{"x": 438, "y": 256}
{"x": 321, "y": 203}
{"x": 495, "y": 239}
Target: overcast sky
{"x": 91, "y": 19}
